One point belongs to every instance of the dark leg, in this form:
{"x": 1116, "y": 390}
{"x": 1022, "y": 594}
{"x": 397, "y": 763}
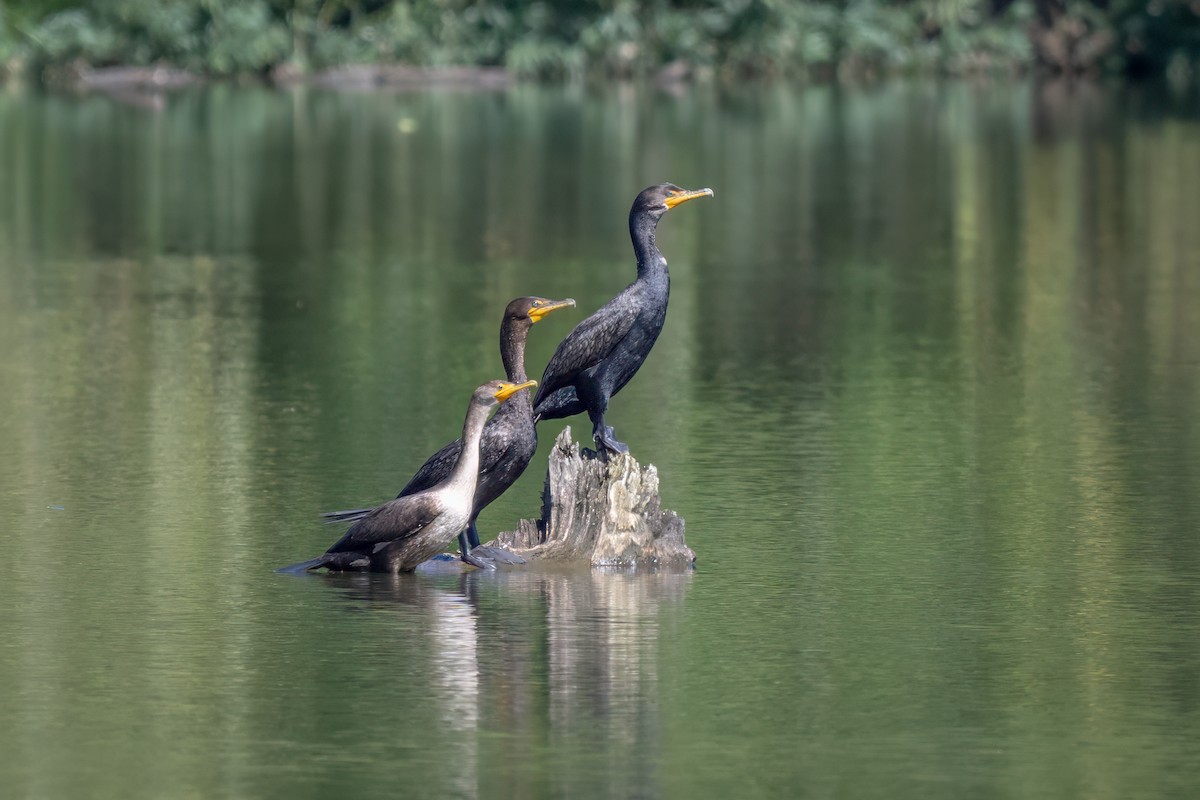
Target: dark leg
{"x": 605, "y": 437}
{"x": 464, "y": 552}
{"x": 488, "y": 555}
{"x": 596, "y": 399}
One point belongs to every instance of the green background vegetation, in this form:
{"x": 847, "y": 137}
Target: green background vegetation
{"x": 559, "y": 39}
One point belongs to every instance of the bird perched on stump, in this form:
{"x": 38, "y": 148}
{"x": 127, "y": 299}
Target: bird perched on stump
{"x": 606, "y": 349}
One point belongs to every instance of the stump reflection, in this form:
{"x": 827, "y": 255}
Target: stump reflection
{"x": 564, "y": 657}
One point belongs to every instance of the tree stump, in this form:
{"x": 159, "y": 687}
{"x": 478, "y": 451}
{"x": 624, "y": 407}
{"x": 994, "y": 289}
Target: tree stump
{"x": 604, "y": 511}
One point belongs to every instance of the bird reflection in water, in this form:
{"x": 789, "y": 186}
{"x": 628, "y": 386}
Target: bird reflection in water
{"x": 535, "y": 654}
{"x": 446, "y": 611}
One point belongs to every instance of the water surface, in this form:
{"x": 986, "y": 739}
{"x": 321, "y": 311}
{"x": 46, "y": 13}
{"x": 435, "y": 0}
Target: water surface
{"x": 926, "y": 398}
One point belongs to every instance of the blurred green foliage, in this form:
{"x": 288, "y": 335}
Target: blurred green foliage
{"x": 562, "y": 38}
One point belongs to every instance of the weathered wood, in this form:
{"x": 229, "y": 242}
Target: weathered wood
{"x": 601, "y": 511}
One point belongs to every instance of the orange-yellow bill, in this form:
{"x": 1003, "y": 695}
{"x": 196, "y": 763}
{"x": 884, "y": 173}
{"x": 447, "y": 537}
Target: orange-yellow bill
{"x": 543, "y": 307}
{"x": 682, "y": 197}
{"x": 507, "y": 390}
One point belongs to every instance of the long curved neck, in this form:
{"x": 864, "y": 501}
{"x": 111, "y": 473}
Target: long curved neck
{"x": 466, "y": 471}
{"x": 512, "y": 350}
{"x": 650, "y": 262}
{"x": 512, "y": 353}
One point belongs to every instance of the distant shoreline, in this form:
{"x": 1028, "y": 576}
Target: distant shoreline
{"x": 141, "y": 84}
{"x": 350, "y": 78}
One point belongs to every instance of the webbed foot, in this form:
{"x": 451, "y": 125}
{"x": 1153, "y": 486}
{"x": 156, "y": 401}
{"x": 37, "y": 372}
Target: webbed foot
{"x": 606, "y": 439}
{"x": 469, "y": 557}
{"x": 496, "y": 555}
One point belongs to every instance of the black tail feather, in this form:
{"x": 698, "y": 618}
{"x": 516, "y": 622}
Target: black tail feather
{"x": 563, "y": 403}
{"x": 353, "y": 514}
{"x": 304, "y": 566}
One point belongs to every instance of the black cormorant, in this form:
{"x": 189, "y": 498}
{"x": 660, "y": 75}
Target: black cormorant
{"x": 402, "y": 533}
{"x": 606, "y": 349}
{"x": 509, "y": 439}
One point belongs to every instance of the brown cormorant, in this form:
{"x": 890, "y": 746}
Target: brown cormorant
{"x": 402, "y": 533}
{"x": 606, "y": 349}
{"x": 509, "y": 439}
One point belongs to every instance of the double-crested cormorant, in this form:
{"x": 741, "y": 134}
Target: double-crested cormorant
{"x": 606, "y": 349}
{"x": 401, "y": 533}
{"x": 509, "y": 439}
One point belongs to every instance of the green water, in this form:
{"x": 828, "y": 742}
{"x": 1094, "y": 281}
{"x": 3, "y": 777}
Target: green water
{"x": 927, "y": 398}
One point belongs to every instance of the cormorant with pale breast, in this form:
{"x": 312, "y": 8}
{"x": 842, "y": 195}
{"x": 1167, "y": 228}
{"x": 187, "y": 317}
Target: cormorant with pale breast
{"x": 509, "y": 439}
{"x": 606, "y": 349}
{"x": 402, "y": 533}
